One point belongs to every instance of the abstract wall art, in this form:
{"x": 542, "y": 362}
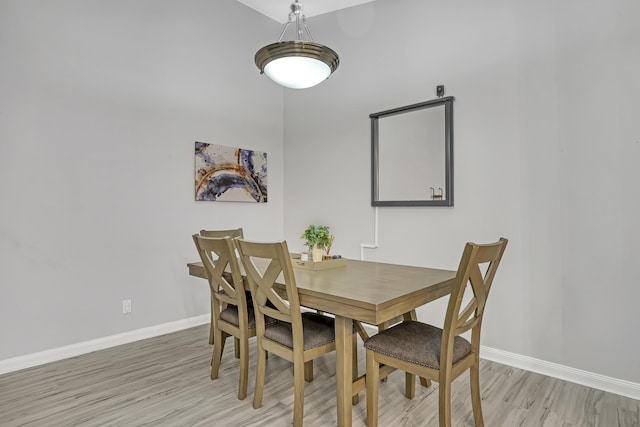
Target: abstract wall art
{"x": 230, "y": 174}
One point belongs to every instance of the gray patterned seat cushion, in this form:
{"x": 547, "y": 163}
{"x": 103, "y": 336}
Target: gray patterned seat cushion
{"x": 318, "y": 330}
{"x": 417, "y": 343}
{"x": 230, "y": 314}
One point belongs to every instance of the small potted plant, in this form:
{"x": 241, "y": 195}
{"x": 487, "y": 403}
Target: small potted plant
{"x": 317, "y": 238}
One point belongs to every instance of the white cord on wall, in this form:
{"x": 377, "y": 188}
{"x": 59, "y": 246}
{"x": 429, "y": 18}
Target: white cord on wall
{"x": 364, "y": 246}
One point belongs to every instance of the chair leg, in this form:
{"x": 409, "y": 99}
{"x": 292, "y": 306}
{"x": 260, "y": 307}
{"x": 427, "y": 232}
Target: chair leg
{"x": 382, "y": 327}
{"x": 444, "y": 405}
{"x": 219, "y": 338}
{"x": 308, "y": 371}
{"x": 476, "y": 402}
{"x": 299, "y": 371}
{"x": 244, "y": 368}
{"x": 354, "y": 365}
{"x": 211, "y": 340}
{"x": 260, "y": 372}
{"x": 236, "y": 346}
{"x": 410, "y": 385}
{"x": 425, "y": 382}
{"x": 372, "y": 381}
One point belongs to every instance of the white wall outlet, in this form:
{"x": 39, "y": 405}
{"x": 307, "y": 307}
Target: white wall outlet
{"x": 126, "y": 306}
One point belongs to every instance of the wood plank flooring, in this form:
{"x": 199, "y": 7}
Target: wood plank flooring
{"x": 164, "y": 381}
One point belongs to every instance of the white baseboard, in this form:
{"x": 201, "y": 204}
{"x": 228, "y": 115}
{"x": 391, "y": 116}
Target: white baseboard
{"x": 47, "y": 356}
{"x": 555, "y": 370}
{"x": 565, "y": 373}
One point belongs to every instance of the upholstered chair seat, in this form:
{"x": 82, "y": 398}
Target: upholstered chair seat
{"x": 230, "y": 315}
{"x": 417, "y": 343}
{"x": 318, "y": 331}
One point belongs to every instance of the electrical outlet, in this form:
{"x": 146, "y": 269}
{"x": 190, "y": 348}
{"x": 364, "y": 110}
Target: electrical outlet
{"x": 126, "y": 306}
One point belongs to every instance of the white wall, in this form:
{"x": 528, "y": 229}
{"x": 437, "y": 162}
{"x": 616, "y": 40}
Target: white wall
{"x": 101, "y": 103}
{"x": 546, "y": 147}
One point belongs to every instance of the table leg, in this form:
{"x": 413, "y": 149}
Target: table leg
{"x": 344, "y": 355}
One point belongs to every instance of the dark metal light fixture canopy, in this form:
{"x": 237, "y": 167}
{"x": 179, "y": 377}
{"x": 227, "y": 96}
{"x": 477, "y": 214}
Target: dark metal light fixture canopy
{"x": 297, "y": 64}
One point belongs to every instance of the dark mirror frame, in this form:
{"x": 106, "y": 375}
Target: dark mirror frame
{"x": 447, "y": 102}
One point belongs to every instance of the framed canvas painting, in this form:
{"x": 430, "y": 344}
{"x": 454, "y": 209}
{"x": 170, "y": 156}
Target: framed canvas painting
{"x": 230, "y": 174}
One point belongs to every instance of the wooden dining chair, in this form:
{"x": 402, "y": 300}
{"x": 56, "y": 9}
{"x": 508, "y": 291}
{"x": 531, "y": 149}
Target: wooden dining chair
{"x": 439, "y": 354}
{"x": 233, "y": 233}
{"x": 231, "y": 314}
{"x": 298, "y": 337}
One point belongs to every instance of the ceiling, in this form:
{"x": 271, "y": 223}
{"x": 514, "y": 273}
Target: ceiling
{"x": 278, "y": 10}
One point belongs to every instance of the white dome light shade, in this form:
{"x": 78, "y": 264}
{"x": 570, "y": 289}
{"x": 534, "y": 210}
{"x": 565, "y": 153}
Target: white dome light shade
{"x": 297, "y": 64}
{"x": 297, "y": 72}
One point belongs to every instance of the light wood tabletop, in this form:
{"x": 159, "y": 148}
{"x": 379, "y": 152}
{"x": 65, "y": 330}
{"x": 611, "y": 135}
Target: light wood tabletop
{"x": 370, "y": 292}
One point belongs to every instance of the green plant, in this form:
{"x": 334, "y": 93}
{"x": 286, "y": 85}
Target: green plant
{"x": 317, "y": 236}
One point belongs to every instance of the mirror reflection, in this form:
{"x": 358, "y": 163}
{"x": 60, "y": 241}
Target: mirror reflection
{"x": 412, "y": 162}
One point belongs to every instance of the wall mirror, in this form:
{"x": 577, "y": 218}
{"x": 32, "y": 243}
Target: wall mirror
{"x": 412, "y": 155}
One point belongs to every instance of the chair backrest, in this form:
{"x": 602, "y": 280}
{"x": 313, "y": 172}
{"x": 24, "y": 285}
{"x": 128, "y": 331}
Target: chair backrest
{"x": 268, "y": 266}
{"x": 236, "y": 232}
{"x": 218, "y": 256}
{"x": 470, "y": 275}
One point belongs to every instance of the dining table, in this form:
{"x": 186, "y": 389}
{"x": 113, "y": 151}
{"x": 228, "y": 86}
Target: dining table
{"x": 364, "y": 291}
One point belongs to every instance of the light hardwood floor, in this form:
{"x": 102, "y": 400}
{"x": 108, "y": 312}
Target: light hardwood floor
{"x": 164, "y": 381}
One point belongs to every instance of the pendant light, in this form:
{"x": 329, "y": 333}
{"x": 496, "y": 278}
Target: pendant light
{"x": 297, "y": 64}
